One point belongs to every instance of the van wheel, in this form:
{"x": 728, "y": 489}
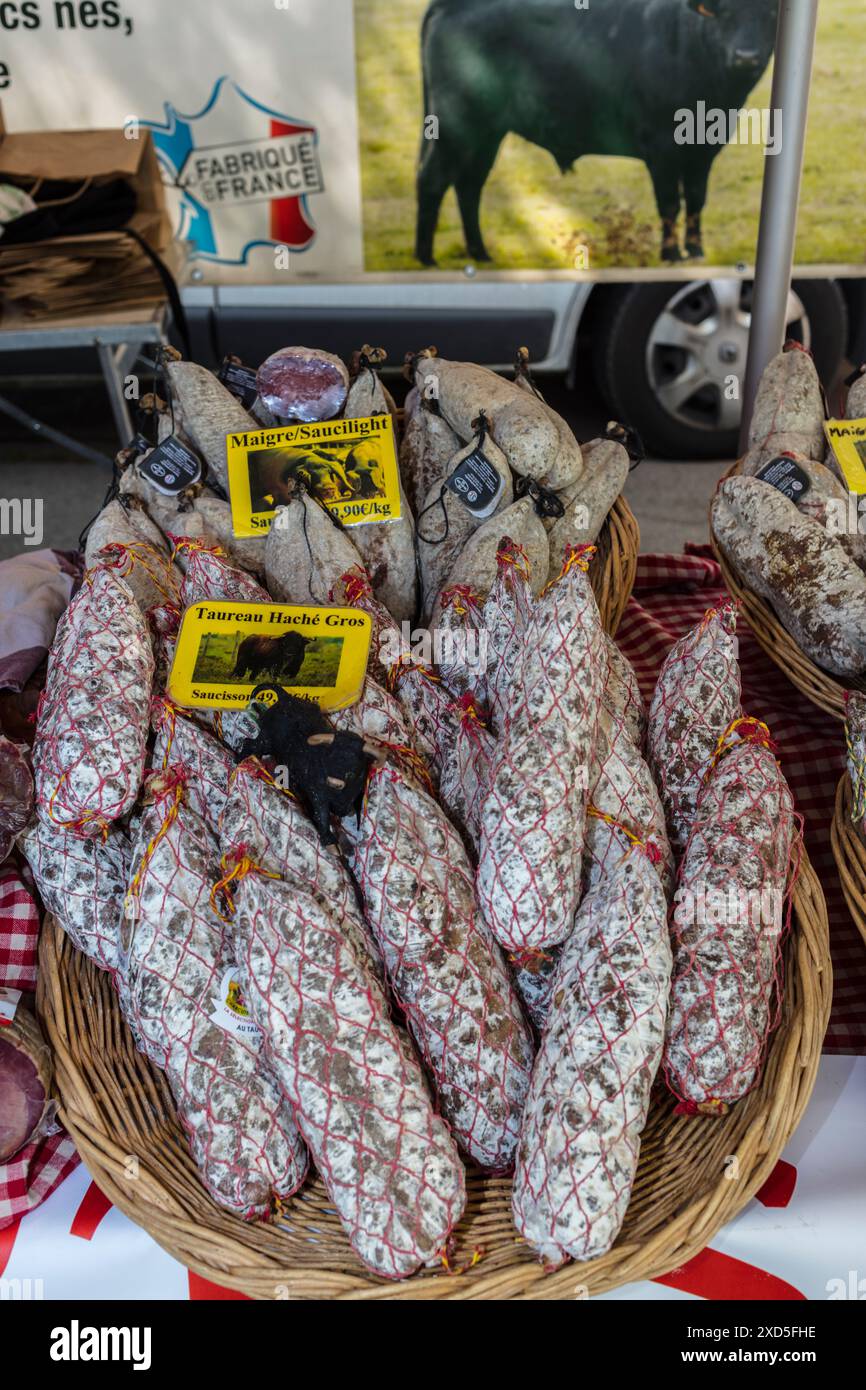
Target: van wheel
{"x": 671, "y": 360}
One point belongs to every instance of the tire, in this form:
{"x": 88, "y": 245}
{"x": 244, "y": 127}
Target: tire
{"x": 626, "y": 358}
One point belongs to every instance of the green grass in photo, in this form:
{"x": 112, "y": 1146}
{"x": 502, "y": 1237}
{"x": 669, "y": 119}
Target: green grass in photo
{"x": 533, "y": 217}
{"x": 217, "y": 657}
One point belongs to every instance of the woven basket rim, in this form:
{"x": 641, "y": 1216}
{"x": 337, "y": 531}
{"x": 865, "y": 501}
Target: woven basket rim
{"x": 82, "y": 1020}
{"x": 849, "y": 852}
{"x": 822, "y": 689}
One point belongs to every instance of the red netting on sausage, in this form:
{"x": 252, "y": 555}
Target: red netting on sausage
{"x": 697, "y": 696}
{"x": 362, "y": 1104}
{"x": 600, "y": 1051}
{"x": 420, "y": 693}
{"x": 445, "y": 969}
{"x": 728, "y": 923}
{"x": 460, "y": 642}
{"x": 855, "y": 737}
{"x": 206, "y": 764}
{"x": 177, "y": 972}
{"x": 92, "y": 728}
{"x": 265, "y": 825}
{"x": 152, "y": 579}
{"x": 533, "y": 817}
{"x": 466, "y": 771}
{"x": 83, "y": 883}
{"x": 210, "y": 576}
{"x": 623, "y": 797}
{"x": 506, "y": 617}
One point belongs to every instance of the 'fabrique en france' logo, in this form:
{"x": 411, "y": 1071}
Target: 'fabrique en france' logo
{"x": 238, "y": 175}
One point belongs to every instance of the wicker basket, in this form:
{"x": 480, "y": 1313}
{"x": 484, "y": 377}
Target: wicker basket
{"x": 825, "y": 691}
{"x": 614, "y": 566}
{"x": 120, "y": 1114}
{"x": 849, "y": 851}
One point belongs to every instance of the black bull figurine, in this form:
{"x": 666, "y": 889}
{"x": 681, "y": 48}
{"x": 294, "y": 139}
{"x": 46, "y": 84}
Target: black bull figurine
{"x": 605, "y": 78}
{"x": 326, "y": 768}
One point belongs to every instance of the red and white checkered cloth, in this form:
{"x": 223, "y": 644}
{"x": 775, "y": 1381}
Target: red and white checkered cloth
{"x": 19, "y": 929}
{"x": 671, "y": 595}
{"x": 35, "y": 1171}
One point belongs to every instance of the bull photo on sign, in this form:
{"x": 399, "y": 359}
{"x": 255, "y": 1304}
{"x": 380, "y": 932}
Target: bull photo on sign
{"x": 236, "y": 658}
{"x": 327, "y": 475}
{"x": 576, "y": 134}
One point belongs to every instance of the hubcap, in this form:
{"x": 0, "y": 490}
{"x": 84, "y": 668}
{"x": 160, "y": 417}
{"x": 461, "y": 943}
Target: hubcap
{"x": 696, "y": 353}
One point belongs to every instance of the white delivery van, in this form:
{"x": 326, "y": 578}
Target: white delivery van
{"x": 582, "y": 180}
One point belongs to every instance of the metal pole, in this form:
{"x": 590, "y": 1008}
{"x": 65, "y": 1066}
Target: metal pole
{"x": 783, "y": 172}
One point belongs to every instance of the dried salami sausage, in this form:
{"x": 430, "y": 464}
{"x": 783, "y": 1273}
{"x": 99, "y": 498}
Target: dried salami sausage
{"x": 600, "y": 1051}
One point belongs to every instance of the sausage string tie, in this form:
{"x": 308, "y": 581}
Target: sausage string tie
{"x": 356, "y": 586}
{"x": 173, "y": 788}
{"x": 532, "y": 958}
{"x": 124, "y": 558}
{"x": 234, "y": 872}
{"x": 403, "y": 666}
{"x": 447, "y": 1254}
{"x": 740, "y": 731}
{"x": 576, "y": 557}
{"x": 716, "y": 1108}
{"x": 87, "y": 819}
{"x": 462, "y": 599}
{"x": 512, "y": 554}
{"x": 649, "y": 847}
{"x": 185, "y": 545}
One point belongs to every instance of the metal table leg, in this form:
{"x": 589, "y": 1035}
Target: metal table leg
{"x": 114, "y": 386}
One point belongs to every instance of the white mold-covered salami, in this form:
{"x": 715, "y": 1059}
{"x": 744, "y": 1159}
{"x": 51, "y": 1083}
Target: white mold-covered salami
{"x": 210, "y": 413}
{"x": 697, "y": 696}
{"x": 387, "y": 551}
{"x": 16, "y": 792}
{"x": 826, "y": 500}
{"x": 89, "y": 752}
{"x": 817, "y": 591}
{"x": 532, "y": 821}
{"x": 476, "y": 566}
{"x": 623, "y": 800}
{"x": 728, "y": 924}
{"x": 460, "y": 643}
{"x": 367, "y": 396}
{"x": 207, "y": 766}
{"x": 298, "y": 383}
{"x": 536, "y": 442}
{"x": 605, "y": 473}
{"x": 429, "y": 444}
{"x": 136, "y": 553}
{"x": 265, "y": 825}
{"x": 600, "y": 1051}
{"x": 623, "y": 696}
{"x": 447, "y": 523}
{"x": 789, "y": 403}
{"x": 444, "y": 967}
{"x": 83, "y": 883}
{"x": 506, "y": 618}
{"x": 210, "y": 576}
{"x": 177, "y": 972}
{"x": 855, "y": 738}
{"x": 306, "y": 552}
{"x": 246, "y": 552}
{"x": 466, "y": 771}
{"x": 388, "y": 1161}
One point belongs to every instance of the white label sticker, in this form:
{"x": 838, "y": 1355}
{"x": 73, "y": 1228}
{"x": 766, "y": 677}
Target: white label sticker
{"x": 231, "y": 1013}
{"x": 8, "y": 1004}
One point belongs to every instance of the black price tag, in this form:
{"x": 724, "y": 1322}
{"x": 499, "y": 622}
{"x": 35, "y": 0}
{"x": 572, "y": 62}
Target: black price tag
{"x": 240, "y": 380}
{"x": 477, "y": 483}
{"x": 171, "y": 467}
{"x": 786, "y": 476}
